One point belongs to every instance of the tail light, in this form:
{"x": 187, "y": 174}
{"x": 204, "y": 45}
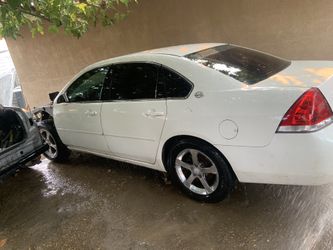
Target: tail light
{"x": 309, "y": 113}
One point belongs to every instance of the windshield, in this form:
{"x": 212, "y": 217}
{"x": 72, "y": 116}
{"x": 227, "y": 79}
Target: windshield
{"x": 245, "y": 65}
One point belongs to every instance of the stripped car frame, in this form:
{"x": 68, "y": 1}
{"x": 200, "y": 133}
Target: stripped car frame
{"x": 26, "y": 150}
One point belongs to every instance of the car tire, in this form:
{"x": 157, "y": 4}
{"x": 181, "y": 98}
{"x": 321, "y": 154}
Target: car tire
{"x": 57, "y": 152}
{"x": 200, "y": 171}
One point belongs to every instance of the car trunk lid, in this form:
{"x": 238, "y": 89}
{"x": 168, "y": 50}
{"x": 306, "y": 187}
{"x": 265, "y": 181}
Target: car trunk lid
{"x": 301, "y": 74}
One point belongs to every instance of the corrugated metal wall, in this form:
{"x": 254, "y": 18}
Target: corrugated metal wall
{"x": 6, "y": 63}
{"x": 7, "y": 76}
{"x": 6, "y": 89}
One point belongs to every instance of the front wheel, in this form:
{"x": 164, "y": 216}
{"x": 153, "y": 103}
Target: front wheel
{"x": 200, "y": 171}
{"x": 57, "y": 151}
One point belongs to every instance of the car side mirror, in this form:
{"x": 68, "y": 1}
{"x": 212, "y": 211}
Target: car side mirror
{"x": 53, "y": 95}
{"x": 61, "y": 99}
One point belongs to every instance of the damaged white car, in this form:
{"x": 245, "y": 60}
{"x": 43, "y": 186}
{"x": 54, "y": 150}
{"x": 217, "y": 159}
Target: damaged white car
{"x": 208, "y": 114}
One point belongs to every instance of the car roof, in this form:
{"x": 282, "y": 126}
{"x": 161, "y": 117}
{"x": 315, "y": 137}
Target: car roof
{"x": 179, "y": 51}
{"x": 182, "y": 50}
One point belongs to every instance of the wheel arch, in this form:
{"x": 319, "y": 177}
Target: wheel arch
{"x": 173, "y": 140}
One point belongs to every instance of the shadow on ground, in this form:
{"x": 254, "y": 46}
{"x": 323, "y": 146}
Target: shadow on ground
{"x": 95, "y": 203}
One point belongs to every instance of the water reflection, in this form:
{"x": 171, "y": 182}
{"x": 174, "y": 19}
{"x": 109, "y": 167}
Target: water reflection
{"x": 57, "y": 183}
{"x": 304, "y": 214}
{"x": 275, "y": 217}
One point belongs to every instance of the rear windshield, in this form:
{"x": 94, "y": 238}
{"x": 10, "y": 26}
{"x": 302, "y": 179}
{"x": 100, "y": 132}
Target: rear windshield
{"x": 245, "y": 65}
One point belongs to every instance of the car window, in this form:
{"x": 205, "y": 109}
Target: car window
{"x": 245, "y": 65}
{"x": 172, "y": 84}
{"x": 11, "y": 128}
{"x": 88, "y": 87}
{"x": 131, "y": 81}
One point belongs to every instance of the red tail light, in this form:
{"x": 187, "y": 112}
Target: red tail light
{"x": 309, "y": 113}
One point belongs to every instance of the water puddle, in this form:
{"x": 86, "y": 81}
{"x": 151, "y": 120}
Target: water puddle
{"x": 56, "y": 183}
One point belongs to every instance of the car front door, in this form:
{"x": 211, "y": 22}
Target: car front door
{"x": 78, "y": 119}
{"x": 132, "y": 114}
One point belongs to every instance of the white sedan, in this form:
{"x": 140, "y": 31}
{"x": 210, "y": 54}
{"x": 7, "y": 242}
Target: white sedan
{"x": 208, "y": 114}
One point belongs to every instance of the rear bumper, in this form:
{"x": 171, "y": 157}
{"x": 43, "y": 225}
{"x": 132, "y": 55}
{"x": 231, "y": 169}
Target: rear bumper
{"x": 295, "y": 159}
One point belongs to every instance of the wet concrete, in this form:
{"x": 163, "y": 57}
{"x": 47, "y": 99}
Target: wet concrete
{"x": 95, "y": 203}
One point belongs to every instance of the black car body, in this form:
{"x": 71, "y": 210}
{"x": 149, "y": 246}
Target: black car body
{"x": 20, "y": 140}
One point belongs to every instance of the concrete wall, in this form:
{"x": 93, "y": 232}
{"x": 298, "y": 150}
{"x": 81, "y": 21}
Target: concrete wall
{"x": 295, "y": 29}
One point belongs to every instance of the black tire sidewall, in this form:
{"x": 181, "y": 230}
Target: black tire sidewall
{"x": 63, "y": 152}
{"x": 226, "y": 180}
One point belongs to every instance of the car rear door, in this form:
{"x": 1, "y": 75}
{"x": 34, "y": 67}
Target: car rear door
{"x": 78, "y": 119}
{"x": 12, "y": 137}
{"x": 133, "y": 115}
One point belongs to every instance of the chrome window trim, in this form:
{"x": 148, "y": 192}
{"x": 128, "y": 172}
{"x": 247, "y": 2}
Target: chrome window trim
{"x": 304, "y": 129}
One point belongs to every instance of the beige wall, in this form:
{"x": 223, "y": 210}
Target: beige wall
{"x": 295, "y": 29}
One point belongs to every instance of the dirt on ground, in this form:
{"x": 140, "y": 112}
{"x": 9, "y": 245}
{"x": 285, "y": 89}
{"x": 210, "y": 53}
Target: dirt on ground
{"x": 96, "y": 203}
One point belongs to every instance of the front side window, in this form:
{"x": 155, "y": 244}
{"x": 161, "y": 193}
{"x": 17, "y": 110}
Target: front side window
{"x": 88, "y": 87}
{"x": 131, "y": 81}
{"x": 172, "y": 85}
{"x": 245, "y": 65}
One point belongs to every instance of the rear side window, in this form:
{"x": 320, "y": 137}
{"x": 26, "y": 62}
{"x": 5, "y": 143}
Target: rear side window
{"x": 245, "y": 65}
{"x": 131, "y": 81}
{"x": 88, "y": 87}
{"x": 172, "y": 85}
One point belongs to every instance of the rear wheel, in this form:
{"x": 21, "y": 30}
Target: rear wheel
{"x": 200, "y": 171}
{"x": 57, "y": 151}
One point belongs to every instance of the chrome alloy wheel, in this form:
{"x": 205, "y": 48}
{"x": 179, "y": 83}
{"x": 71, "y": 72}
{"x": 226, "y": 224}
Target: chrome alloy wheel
{"x": 47, "y": 137}
{"x": 197, "y": 171}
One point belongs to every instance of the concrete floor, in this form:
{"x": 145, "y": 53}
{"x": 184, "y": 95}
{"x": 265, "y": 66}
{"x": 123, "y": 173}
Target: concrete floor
{"x": 95, "y": 203}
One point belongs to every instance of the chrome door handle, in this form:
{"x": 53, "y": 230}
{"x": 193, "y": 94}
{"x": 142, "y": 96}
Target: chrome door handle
{"x": 154, "y": 114}
{"x": 90, "y": 113}
{"x": 157, "y": 114}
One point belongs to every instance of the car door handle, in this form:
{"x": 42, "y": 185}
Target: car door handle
{"x": 153, "y": 113}
{"x": 90, "y": 113}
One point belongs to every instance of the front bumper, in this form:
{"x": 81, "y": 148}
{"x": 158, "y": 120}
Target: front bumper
{"x": 295, "y": 159}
